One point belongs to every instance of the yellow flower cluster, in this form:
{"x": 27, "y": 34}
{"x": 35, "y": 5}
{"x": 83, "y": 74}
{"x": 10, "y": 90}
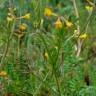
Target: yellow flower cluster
{"x": 58, "y": 24}
{"x": 22, "y": 27}
{"x": 11, "y": 17}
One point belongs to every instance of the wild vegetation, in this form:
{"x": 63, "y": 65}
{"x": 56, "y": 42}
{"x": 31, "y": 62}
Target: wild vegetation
{"x": 47, "y": 47}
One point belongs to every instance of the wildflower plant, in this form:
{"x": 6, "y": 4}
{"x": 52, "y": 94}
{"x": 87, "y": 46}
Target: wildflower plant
{"x": 45, "y": 48}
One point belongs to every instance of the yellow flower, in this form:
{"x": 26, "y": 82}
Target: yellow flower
{"x": 23, "y": 27}
{"x": 26, "y": 16}
{"x": 45, "y": 55}
{"x": 83, "y": 36}
{"x": 69, "y": 24}
{"x": 48, "y": 12}
{"x": 10, "y": 17}
{"x": 3, "y": 74}
{"x": 89, "y": 8}
{"x": 58, "y": 24}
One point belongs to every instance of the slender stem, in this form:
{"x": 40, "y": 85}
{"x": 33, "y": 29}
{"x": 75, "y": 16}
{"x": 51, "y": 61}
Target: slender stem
{"x": 7, "y": 47}
{"x": 79, "y": 44}
{"x": 18, "y": 49}
{"x": 57, "y": 82}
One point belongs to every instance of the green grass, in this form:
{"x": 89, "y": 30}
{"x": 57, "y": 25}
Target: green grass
{"x": 63, "y": 72}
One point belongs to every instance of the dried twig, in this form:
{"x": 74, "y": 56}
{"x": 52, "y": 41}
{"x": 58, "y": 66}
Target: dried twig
{"x": 79, "y": 43}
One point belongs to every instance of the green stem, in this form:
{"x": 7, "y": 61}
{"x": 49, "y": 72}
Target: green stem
{"x": 7, "y": 46}
{"x": 53, "y": 62}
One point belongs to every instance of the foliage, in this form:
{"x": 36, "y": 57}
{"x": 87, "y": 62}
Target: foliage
{"x": 39, "y": 48}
